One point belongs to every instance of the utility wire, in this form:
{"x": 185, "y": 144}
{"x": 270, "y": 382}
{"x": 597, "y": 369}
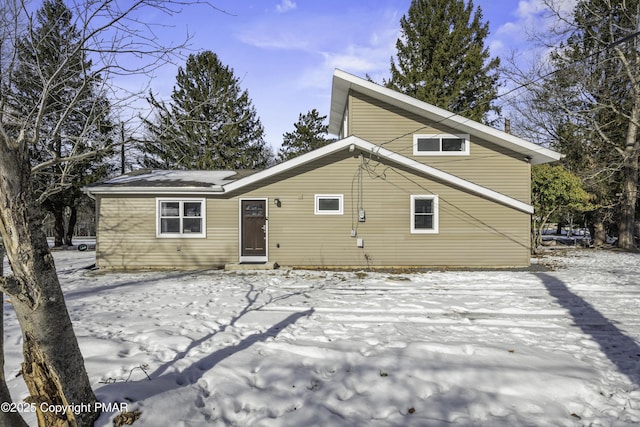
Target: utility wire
{"x": 374, "y": 175}
{"x": 518, "y": 87}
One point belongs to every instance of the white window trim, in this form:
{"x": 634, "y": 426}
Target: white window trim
{"x": 465, "y": 152}
{"x": 436, "y": 213}
{"x": 316, "y": 204}
{"x": 181, "y": 235}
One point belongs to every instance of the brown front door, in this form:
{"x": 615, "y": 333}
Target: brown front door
{"x": 254, "y": 228}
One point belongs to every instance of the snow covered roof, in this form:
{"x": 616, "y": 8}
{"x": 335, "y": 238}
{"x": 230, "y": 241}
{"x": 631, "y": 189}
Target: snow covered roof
{"x": 168, "y": 181}
{"x": 344, "y": 82}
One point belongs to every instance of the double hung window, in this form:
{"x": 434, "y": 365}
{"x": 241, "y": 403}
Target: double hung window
{"x": 180, "y": 218}
{"x": 424, "y": 214}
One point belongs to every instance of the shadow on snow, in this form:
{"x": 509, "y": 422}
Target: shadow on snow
{"x": 620, "y": 349}
{"x": 162, "y": 382}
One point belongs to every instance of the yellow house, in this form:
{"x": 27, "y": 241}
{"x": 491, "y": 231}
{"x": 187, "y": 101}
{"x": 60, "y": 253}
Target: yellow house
{"x": 407, "y": 185}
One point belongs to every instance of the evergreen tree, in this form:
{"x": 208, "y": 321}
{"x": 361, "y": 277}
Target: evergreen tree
{"x": 51, "y": 56}
{"x": 555, "y": 190}
{"x": 210, "y": 123}
{"x": 310, "y": 133}
{"x": 53, "y": 368}
{"x": 442, "y": 60}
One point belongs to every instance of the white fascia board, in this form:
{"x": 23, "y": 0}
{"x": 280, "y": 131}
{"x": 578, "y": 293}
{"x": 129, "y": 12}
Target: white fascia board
{"x": 343, "y": 82}
{"x": 339, "y": 95}
{"x": 153, "y": 190}
{"x": 293, "y": 163}
{"x": 449, "y": 179}
{"x": 380, "y": 152}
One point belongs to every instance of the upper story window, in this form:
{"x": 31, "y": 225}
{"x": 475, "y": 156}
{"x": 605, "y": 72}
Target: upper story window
{"x": 180, "y": 218}
{"x": 440, "y": 145}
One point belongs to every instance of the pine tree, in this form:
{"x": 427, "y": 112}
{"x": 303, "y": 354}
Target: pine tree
{"x": 310, "y": 133}
{"x": 84, "y": 128}
{"x": 49, "y": 121}
{"x": 442, "y": 60}
{"x": 53, "y": 368}
{"x": 209, "y": 124}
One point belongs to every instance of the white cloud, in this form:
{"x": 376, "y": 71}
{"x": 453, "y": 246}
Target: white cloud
{"x": 361, "y": 59}
{"x": 536, "y": 8}
{"x": 545, "y": 15}
{"x": 368, "y": 55}
{"x": 530, "y": 8}
{"x": 356, "y": 59}
{"x": 533, "y": 28}
{"x": 497, "y": 46}
{"x": 319, "y": 74}
{"x": 285, "y": 6}
{"x": 310, "y": 45}
{"x": 354, "y": 45}
{"x": 284, "y": 39}
{"x": 528, "y": 36}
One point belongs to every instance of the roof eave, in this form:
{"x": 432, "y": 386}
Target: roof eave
{"x": 293, "y": 163}
{"x": 105, "y": 190}
{"x": 343, "y": 82}
{"x": 355, "y": 142}
{"x": 454, "y": 180}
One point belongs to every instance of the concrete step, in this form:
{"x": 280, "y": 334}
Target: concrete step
{"x": 236, "y": 266}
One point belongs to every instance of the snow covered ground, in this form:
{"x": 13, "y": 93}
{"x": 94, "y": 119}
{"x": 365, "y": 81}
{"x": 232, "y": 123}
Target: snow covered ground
{"x": 292, "y": 348}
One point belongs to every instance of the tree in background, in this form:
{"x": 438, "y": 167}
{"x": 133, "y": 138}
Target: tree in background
{"x": 310, "y": 133}
{"x": 53, "y": 44}
{"x": 584, "y": 99}
{"x": 53, "y": 367}
{"x": 554, "y": 191}
{"x": 442, "y": 59}
{"x": 595, "y": 164}
{"x": 604, "y": 42}
{"x": 209, "y": 124}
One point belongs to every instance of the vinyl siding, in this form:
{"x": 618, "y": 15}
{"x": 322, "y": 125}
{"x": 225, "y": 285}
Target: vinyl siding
{"x": 127, "y": 236}
{"x": 488, "y": 164}
{"x": 473, "y": 231}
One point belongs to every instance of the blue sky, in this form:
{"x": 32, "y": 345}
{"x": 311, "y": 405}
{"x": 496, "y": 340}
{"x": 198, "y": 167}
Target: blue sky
{"x": 285, "y": 51}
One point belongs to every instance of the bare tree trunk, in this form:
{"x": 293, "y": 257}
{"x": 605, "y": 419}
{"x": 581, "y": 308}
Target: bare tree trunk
{"x": 58, "y": 226}
{"x": 53, "y": 367}
{"x": 537, "y": 242}
{"x": 73, "y": 219}
{"x": 597, "y": 230}
{"x": 627, "y": 214}
{"x": 7, "y": 418}
{"x": 630, "y": 183}
{"x": 629, "y": 200}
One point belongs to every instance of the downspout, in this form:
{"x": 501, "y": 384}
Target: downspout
{"x": 361, "y": 213}
{"x": 95, "y": 214}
